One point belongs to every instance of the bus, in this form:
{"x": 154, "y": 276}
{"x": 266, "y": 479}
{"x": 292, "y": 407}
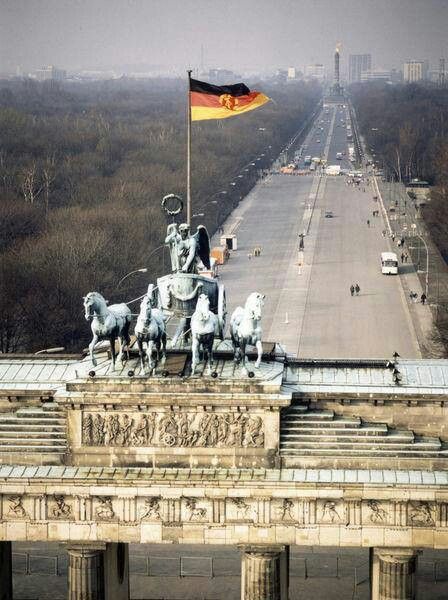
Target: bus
{"x": 389, "y": 263}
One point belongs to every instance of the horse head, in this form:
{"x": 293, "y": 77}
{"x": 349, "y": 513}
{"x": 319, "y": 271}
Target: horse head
{"x": 254, "y": 304}
{"x": 145, "y": 309}
{"x": 203, "y": 307}
{"x": 93, "y": 303}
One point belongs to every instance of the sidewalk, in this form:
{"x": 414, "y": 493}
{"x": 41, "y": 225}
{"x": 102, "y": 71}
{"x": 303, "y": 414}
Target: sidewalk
{"x": 422, "y": 315}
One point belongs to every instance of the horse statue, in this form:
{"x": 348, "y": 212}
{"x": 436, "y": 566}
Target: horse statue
{"x": 108, "y": 323}
{"x": 204, "y": 323}
{"x": 245, "y": 328}
{"x": 150, "y": 328}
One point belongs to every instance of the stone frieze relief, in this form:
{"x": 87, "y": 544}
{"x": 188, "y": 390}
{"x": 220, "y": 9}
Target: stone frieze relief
{"x": 172, "y": 429}
{"x": 288, "y": 511}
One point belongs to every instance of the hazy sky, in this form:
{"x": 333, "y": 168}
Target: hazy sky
{"x": 236, "y": 34}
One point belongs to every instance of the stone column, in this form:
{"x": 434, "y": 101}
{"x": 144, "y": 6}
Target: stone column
{"x": 85, "y": 573}
{"x": 5, "y": 571}
{"x": 98, "y": 572}
{"x": 393, "y": 574}
{"x": 264, "y": 574}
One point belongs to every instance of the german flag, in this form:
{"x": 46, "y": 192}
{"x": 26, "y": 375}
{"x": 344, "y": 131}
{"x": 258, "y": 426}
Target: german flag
{"x": 220, "y": 102}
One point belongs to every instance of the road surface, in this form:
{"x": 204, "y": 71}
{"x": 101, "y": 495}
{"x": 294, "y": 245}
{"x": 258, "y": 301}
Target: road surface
{"x": 309, "y": 308}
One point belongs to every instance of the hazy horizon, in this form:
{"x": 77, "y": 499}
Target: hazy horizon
{"x": 248, "y": 34}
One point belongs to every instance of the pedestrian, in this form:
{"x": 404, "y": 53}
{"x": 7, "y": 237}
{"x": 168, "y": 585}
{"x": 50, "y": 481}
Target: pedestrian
{"x": 415, "y": 297}
{"x": 392, "y": 236}
{"x": 402, "y": 257}
{"x": 357, "y": 289}
{"x": 423, "y": 298}
{"x": 352, "y": 290}
{"x": 398, "y": 243}
{"x": 411, "y": 296}
{"x": 368, "y": 223}
{"x": 384, "y": 233}
{"x": 402, "y": 241}
{"x": 406, "y": 257}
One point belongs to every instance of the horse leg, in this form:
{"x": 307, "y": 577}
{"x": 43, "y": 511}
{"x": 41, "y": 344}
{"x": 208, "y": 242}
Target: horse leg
{"x": 112, "y": 352}
{"x": 194, "y": 354}
{"x": 210, "y": 354}
{"x": 163, "y": 346}
{"x": 260, "y": 353}
{"x": 149, "y": 352}
{"x": 243, "y": 356}
{"x": 91, "y": 348}
{"x": 141, "y": 352}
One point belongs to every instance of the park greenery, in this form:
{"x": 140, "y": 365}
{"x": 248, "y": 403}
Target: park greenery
{"x": 83, "y": 169}
{"x": 406, "y": 126}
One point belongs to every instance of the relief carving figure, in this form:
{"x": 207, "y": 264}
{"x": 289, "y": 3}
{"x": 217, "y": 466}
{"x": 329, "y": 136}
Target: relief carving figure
{"x": 144, "y": 432}
{"x": 183, "y": 425}
{"x": 126, "y": 430}
{"x": 99, "y": 431}
{"x": 253, "y": 435}
{"x": 329, "y": 510}
{"x": 241, "y": 507}
{"x": 62, "y": 509}
{"x": 16, "y": 507}
{"x": 113, "y": 429}
{"x": 420, "y": 514}
{"x": 378, "y": 514}
{"x": 151, "y": 508}
{"x": 87, "y": 429}
{"x": 235, "y": 435}
{"x": 285, "y": 509}
{"x": 195, "y": 511}
{"x": 174, "y": 429}
{"x": 105, "y": 510}
{"x": 168, "y": 430}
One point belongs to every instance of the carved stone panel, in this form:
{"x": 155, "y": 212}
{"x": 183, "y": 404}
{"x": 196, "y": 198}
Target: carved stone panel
{"x": 172, "y": 429}
{"x": 421, "y": 514}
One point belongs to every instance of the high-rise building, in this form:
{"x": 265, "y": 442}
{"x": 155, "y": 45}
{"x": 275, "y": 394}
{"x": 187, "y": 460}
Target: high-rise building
{"x": 357, "y": 64}
{"x": 375, "y": 75}
{"x": 50, "y": 72}
{"x": 415, "y": 70}
{"x": 317, "y": 71}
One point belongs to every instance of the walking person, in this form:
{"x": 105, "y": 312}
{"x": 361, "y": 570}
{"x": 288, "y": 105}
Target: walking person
{"x": 357, "y": 289}
{"x": 352, "y": 290}
{"x": 368, "y": 223}
{"x": 423, "y": 298}
{"x": 402, "y": 257}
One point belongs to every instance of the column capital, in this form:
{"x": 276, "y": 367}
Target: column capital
{"x": 396, "y": 555}
{"x": 262, "y": 548}
{"x": 82, "y": 549}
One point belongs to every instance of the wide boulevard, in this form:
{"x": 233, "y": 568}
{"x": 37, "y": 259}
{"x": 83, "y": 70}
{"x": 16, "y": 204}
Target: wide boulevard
{"x": 308, "y": 307}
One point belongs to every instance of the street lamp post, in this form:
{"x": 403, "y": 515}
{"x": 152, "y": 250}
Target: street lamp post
{"x": 143, "y": 270}
{"x": 427, "y": 259}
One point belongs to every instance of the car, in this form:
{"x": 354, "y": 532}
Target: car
{"x": 328, "y": 214}
{"x": 317, "y": 141}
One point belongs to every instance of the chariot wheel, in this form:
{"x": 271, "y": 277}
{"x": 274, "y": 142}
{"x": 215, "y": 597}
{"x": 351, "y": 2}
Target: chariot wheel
{"x": 169, "y": 439}
{"x": 222, "y": 311}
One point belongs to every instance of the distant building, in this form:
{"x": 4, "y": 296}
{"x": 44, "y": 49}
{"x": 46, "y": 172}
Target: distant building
{"x": 357, "y": 64}
{"x": 374, "y": 75}
{"x": 50, "y": 72}
{"x": 221, "y": 76}
{"x": 415, "y": 70}
{"x": 317, "y": 71}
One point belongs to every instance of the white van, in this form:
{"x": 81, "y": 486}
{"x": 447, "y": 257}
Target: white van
{"x": 389, "y": 263}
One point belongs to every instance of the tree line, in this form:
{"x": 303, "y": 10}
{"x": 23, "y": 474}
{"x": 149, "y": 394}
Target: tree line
{"x": 83, "y": 169}
{"x": 407, "y": 128}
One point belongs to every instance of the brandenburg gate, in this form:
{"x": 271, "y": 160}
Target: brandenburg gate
{"x": 329, "y": 453}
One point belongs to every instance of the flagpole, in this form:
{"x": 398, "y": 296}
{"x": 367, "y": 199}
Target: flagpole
{"x": 189, "y": 150}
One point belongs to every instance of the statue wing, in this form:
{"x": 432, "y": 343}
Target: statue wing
{"x": 203, "y": 245}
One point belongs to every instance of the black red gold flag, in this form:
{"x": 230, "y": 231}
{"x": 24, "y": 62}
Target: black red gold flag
{"x": 209, "y": 101}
